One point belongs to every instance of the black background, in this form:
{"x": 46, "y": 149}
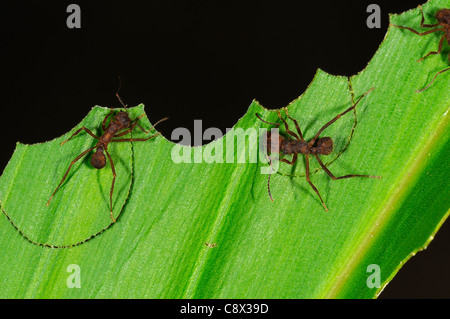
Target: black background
{"x": 188, "y": 60}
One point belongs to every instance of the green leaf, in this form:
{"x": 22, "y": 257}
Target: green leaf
{"x": 289, "y": 248}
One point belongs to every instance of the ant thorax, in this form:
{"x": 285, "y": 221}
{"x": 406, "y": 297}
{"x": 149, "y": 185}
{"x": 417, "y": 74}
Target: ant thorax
{"x": 293, "y": 146}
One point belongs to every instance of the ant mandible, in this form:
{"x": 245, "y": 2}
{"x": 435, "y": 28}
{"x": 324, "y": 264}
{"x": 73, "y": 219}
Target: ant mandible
{"x": 119, "y": 125}
{"x": 315, "y": 147}
{"x": 443, "y": 18}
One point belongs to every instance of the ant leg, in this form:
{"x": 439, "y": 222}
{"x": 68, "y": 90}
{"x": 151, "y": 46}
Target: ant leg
{"x": 135, "y": 139}
{"x": 442, "y": 71}
{"x": 78, "y": 131}
{"x": 139, "y": 139}
{"x": 268, "y": 179}
{"x": 67, "y": 172}
{"x": 292, "y": 162}
{"x": 310, "y": 183}
{"x": 341, "y": 177}
{"x": 296, "y": 124}
{"x": 418, "y": 33}
{"x": 112, "y": 185}
{"x": 268, "y": 187}
{"x": 287, "y": 127}
{"x": 423, "y": 20}
{"x": 435, "y": 52}
{"x": 133, "y": 124}
{"x": 105, "y": 119}
{"x": 338, "y": 116}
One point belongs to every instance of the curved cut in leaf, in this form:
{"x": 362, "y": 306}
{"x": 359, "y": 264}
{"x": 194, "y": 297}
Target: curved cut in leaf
{"x": 255, "y": 248}
{"x": 312, "y": 110}
{"x": 80, "y": 208}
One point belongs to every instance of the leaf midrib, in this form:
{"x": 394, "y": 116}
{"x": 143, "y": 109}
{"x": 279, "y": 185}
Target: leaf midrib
{"x": 393, "y": 202}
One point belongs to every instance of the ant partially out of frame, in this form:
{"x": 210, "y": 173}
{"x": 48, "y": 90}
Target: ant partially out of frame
{"x": 120, "y": 125}
{"x": 315, "y": 147}
{"x": 443, "y": 18}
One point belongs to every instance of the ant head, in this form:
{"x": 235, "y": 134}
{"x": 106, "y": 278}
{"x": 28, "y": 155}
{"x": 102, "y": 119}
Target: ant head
{"x": 323, "y": 146}
{"x": 443, "y": 16}
{"x": 123, "y": 118}
{"x": 98, "y": 160}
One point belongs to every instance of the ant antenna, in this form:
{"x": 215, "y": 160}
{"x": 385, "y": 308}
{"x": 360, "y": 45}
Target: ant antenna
{"x": 257, "y": 115}
{"x": 268, "y": 179}
{"x": 117, "y": 93}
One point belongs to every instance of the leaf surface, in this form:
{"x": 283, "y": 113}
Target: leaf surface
{"x": 289, "y": 248}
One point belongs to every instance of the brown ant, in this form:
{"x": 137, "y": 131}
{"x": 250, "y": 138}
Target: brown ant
{"x": 443, "y": 18}
{"x": 317, "y": 146}
{"x": 119, "y": 125}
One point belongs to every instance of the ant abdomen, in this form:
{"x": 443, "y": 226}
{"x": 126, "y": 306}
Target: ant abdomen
{"x": 98, "y": 160}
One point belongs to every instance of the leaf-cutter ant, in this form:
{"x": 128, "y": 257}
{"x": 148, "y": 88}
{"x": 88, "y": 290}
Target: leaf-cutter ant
{"x": 443, "y": 18}
{"x": 315, "y": 147}
{"x": 119, "y": 125}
